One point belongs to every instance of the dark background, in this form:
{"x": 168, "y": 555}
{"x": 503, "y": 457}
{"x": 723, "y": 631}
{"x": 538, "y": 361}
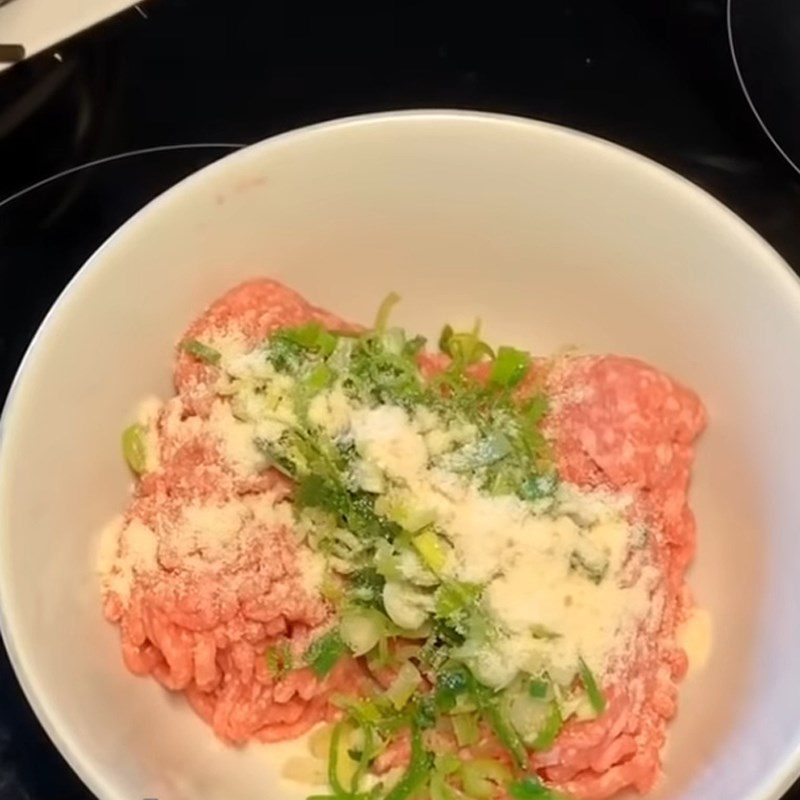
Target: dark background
{"x": 654, "y": 75}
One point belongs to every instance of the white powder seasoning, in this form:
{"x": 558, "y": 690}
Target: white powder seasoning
{"x": 312, "y": 570}
{"x": 330, "y": 411}
{"x": 210, "y": 535}
{"x": 208, "y": 532}
{"x": 548, "y": 611}
{"x": 231, "y": 345}
{"x": 125, "y": 551}
{"x": 386, "y": 437}
{"x": 563, "y": 579}
{"x": 236, "y": 439}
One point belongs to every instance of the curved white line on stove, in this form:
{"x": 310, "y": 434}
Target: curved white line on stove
{"x": 750, "y": 102}
{"x": 116, "y": 157}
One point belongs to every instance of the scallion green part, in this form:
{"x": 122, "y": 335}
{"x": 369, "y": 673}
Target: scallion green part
{"x": 325, "y": 652}
{"x": 531, "y": 788}
{"x": 509, "y": 368}
{"x": 538, "y": 689}
{"x": 202, "y": 352}
{"x": 466, "y": 348}
{"x": 465, "y": 727}
{"x": 593, "y": 691}
{"x": 417, "y": 771}
{"x": 364, "y": 757}
{"x": 455, "y": 598}
{"x": 333, "y": 761}
{"x": 551, "y": 728}
{"x": 384, "y": 310}
{"x": 505, "y": 732}
{"x": 320, "y": 377}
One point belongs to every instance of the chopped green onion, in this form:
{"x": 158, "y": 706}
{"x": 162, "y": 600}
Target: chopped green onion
{"x": 366, "y": 587}
{"x": 465, "y": 727}
{"x": 413, "y": 346}
{"x": 417, "y": 772}
{"x": 505, "y": 731}
{"x": 382, "y": 654}
{"x": 538, "y": 689}
{"x": 393, "y": 341}
{"x": 384, "y": 310}
{"x": 424, "y": 715}
{"x": 325, "y": 652}
{"x": 464, "y": 348}
{"x": 431, "y": 550}
{"x": 134, "y": 449}
{"x": 404, "y": 685}
{"x": 509, "y": 367}
{"x": 455, "y": 597}
{"x": 451, "y": 682}
{"x": 314, "y": 491}
{"x": 331, "y": 588}
{"x": 318, "y": 379}
{"x": 202, "y": 352}
{"x": 387, "y": 563}
{"x": 341, "y": 768}
{"x": 531, "y": 788}
{"x": 550, "y": 730}
{"x": 364, "y": 758}
{"x": 361, "y": 628}
{"x": 482, "y": 777}
{"x": 333, "y": 759}
{"x": 447, "y": 763}
{"x": 439, "y": 789}
{"x": 311, "y": 336}
{"x": 406, "y": 605}
{"x": 365, "y": 712}
{"x": 535, "y": 408}
{"x": 408, "y": 517}
{"x": 596, "y": 698}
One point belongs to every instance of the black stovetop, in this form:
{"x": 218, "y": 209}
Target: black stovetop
{"x": 183, "y": 81}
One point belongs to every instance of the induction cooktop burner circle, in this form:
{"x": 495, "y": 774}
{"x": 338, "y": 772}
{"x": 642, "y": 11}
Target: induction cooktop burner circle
{"x": 763, "y": 37}
{"x": 116, "y": 157}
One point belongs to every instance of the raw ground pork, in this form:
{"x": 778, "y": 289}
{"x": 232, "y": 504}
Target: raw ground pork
{"x": 616, "y": 423}
{"x": 201, "y": 622}
{"x": 621, "y": 424}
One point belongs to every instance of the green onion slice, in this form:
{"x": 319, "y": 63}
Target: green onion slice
{"x": 595, "y": 694}
{"x": 325, "y": 652}
{"x": 202, "y": 352}
{"x": 384, "y": 310}
{"x": 134, "y": 448}
{"x": 509, "y": 368}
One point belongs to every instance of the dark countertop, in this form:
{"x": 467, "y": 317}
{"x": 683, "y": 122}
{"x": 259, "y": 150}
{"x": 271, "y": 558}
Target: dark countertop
{"x": 655, "y": 76}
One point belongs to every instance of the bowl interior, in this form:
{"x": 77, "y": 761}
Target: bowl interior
{"x": 553, "y": 239}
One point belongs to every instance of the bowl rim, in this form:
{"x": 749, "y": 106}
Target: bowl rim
{"x": 774, "y": 783}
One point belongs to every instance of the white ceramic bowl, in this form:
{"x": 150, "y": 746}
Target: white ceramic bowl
{"x": 552, "y": 238}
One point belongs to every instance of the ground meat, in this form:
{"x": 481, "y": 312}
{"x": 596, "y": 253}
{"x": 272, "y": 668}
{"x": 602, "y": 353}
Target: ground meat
{"x": 203, "y": 628}
{"x": 201, "y": 623}
{"x": 620, "y": 424}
